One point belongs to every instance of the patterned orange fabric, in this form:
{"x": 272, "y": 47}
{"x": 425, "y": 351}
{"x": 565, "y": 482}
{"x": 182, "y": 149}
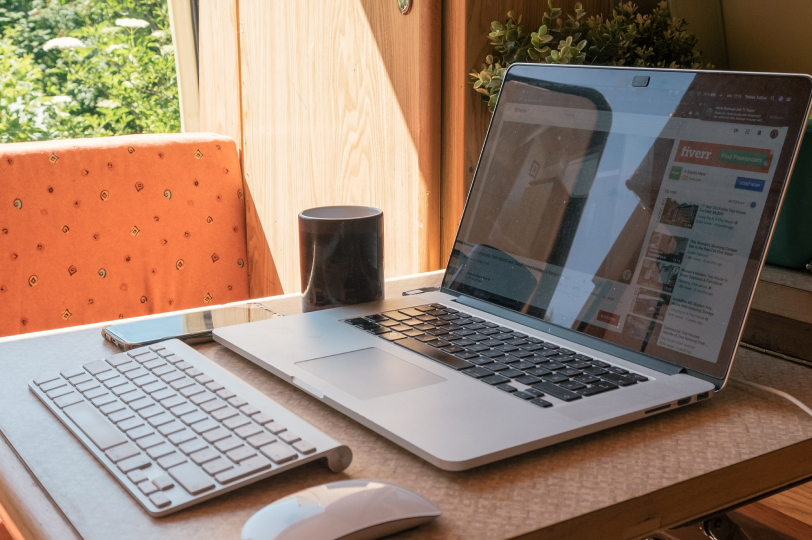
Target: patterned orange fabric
{"x": 100, "y": 229}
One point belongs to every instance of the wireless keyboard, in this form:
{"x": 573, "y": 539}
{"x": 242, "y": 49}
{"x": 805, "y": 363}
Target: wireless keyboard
{"x": 175, "y": 429}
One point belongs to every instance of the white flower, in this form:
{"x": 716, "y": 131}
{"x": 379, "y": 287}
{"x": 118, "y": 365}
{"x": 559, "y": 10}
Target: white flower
{"x": 132, "y": 23}
{"x": 62, "y": 43}
{"x": 158, "y": 34}
{"x": 117, "y": 46}
{"x": 61, "y": 99}
{"x": 167, "y": 49}
{"x": 108, "y": 104}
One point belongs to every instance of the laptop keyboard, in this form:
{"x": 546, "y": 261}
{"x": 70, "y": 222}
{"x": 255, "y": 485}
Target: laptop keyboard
{"x": 527, "y": 367}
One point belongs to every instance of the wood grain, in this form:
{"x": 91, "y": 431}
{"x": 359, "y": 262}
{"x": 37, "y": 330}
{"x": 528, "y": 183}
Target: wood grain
{"x": 337, "y": 105}
{"x": 796, "y": 503}
{"x": 220, "y": 69}
{"x": 465, "y": 116}
{"x": 221, "y": 112}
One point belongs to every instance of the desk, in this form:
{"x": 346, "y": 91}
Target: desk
{"x": 622, "y": 483}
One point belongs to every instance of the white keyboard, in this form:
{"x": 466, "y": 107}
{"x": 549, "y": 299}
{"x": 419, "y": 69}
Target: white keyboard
{"x": 175, "y": 429}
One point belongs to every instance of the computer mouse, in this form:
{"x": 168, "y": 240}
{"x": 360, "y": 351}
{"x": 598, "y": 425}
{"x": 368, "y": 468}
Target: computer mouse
{"x": 345, "y": 510}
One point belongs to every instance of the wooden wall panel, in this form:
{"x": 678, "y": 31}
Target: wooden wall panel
{"x": 221, "y": 112}
{"x": 340, "y": 102}
{"x": 465, "y": 116}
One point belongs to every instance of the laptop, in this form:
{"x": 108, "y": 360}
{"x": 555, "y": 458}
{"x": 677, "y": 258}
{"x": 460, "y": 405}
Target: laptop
{"x": 612, "y": 238}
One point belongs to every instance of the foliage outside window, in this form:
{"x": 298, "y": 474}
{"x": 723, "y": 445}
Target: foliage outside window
{"x": 627, "y": 38}
{"x": 86, "y": 68}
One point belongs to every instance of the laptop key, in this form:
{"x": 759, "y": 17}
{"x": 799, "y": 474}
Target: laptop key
{"x": 556, "y": 391}
{"x": 554, "y": 378}
{"x": 439, "y": 343}
{"x": 478, "y": 372}
{"x": 495, "y": 380}
{"x": 522, "y": 365}
{"x": 569, "y": 372}
{"x": 435, "y": 354}
{"x": 480, "y": 360}
{"x": 393, "y": 336}
{"x": 478, "y": 348}
{"x": 597, "y": 388}
{"x": 571, "y": 385}
{"x": 541, "y": 402}
{"x": 524, "y": 395}
{"x": 493, "y": 353}
{"x": 586, "y": 378}
{"x": 507, "y": 388}
{"x": 595, "y": 370}
{"x": 618, "y": 379}
{"x": 496, "y": 366}
{"x": 538, "y": 372}
{"x": 527, "y": 379}
{"x": 512, "y": 373}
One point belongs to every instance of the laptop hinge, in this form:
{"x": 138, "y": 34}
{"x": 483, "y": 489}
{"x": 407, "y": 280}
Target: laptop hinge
{"x": 572, "y": 335}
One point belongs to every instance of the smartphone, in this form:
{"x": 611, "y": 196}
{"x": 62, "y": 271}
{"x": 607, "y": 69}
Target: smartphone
{"x": 190, "y": 327}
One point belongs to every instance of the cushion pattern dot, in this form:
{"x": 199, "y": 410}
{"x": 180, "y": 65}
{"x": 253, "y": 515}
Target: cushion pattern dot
{"x": 100, "y": 229}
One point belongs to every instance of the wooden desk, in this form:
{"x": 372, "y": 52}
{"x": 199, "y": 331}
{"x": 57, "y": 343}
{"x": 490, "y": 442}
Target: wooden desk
{"x": 622, "y": 483}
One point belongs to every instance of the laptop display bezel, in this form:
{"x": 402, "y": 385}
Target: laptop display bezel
{"x": 715, "y": 373}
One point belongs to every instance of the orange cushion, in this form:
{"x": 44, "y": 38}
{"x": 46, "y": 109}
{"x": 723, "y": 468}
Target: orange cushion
{"x": 108, "y": 228}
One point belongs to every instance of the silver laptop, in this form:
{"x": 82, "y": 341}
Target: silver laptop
{"x": 602, "y": 271}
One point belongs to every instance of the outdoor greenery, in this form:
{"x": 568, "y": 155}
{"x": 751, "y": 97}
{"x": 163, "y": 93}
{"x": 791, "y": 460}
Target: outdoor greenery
{"x": 86, "y": 68}
{"x": 627, "y": 38}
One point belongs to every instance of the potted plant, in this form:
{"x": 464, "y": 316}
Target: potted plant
{"x": 627, "y": 38}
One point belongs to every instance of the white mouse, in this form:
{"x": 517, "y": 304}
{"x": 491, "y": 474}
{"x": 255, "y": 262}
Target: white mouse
{"x": 346, "y": 510}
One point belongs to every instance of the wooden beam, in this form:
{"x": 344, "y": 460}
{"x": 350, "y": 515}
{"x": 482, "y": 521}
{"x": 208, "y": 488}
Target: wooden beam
{"x": 183, "y": 37}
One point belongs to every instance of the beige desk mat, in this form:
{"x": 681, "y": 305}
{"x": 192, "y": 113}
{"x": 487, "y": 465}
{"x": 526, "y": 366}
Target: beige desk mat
{"x": 501, "y": 500}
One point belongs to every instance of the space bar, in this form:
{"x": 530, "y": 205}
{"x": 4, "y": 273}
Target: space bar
{"x": 435, "y": 354}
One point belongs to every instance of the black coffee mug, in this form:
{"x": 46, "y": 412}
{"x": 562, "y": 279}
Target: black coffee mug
{"x": 340, "y": 256}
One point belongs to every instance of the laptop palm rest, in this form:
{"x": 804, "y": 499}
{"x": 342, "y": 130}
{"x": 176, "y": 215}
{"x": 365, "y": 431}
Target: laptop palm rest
{"x": 369, "y": 373}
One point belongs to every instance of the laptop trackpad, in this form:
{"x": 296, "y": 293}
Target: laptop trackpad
{"x": 369, "y": 373}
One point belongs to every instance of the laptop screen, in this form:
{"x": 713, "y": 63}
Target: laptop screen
{"x": 633, "y": 206}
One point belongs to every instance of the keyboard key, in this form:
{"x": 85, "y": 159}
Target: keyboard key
{"x": 202, "y": 397}
{"x": 278, "y": 453}
{"x": 246, "y": 468}
{"x": 158, "y": 388}
{"x": 191, "y": 478}
{"x": 163, "y": 482}
{"x": 122, "y": 451}
{"x": 556, "y": 392}
{"x": 195, "y": 445}
{"x": 524, "y": 395}
{"x": 222, "y": 414}
{"x": 99, "y": 366}
{"x": 160, "y": 499}
{"x": 227, "y": 444}
{"x": 618, "y": 379}
{"x": 289, "y": 437}
{"x": 555, "y": 378}
{"x": 124, "y": 389}
{"x": 181, "y": 437}
{"x": 213, "y": 405}
{"x": 507, "y": 388}
{"x": 151, "y": 411}
{"x": 236, "y": 421}
{"x": 204, "y": 426}
{"x": 165, "y": 370}
{"x": 149, "y": 441}
{"x": 160, "y": 419}
{"x": 136, "y": 462}
{"x": 63, "y": 391}
{"x": 97, "y": 428}
{"x": 495, "y": 366}
{"x": 511, "y": 373}
{"x": 179, "y": 384}
{"x": 260, "y": 440}
{"x": 304, "y": 447}
{"x": 527, "y": 379}
{"x": 275, "y": 427}
{"x": 225, "y": 393}
{"x": 541, "y": 402}
{"x": 132, "y": 423}
{"x": 569, "y": 372}
{"x": 78, "y": 379}
{"x": 172, "y": 402}
{"x": 86, "y": 386}
{"x": 160, "y": 450}
{"x": 141, "y": 382}
{"x": 139, "y": 432}
{"x": 494, "y": 380}
{"x": 597, "y": 388}
{"x": 131, "y": 396}
{"x": 571, "y": 385}
{"x": 204, "y": 456}
{"x": 101, "y": 400}
{"x": 120, "y": 416}
{"x": 217, "y": 434}
{"x": 241, "y": 454}
{"x": 170, "y": 428}
{"x": 192, "y": 390}
{"x": 172, "y": 376}
{"x": 171, "y": 460}
{"x": 586, "y": 379}
{"x": 68, "y": 399}
{"x": 136, "y": 476}
{"x": 435, "y": 354}
{"x": 478, "y": 372}
{"x": 217, "y": 465}
{"x": 247, "y": 431}
{"x": 192, "y": 417}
